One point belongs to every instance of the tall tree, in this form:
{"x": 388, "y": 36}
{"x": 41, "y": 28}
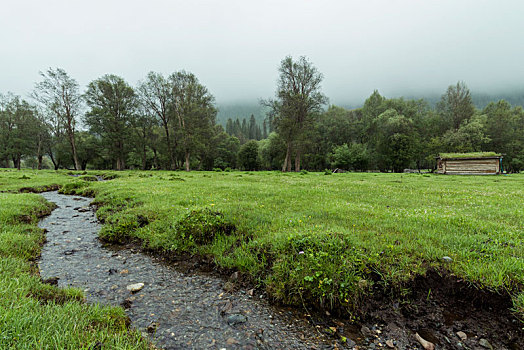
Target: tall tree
{"x": 113, "y": 106}
{"x": 60, "y": 96}
{"x": 456, "y": 105}
{"x": 298, "y": 98}
{"x": 156, "y": 94}
{"x": 195, "y": 112}
{"x": 18, "y": 128}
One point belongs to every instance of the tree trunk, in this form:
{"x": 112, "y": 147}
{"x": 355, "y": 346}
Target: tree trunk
{"x": 144, "y": 157}
{"x": 18, "y": 161}
{"x": 287, "y": 161}
{"x": 73, "y": 150}
{"x": 169, "y": 148}
{"x": 187, "y": 160}
{"x": 155, "y": 159}
{"x": 297, "y": 160}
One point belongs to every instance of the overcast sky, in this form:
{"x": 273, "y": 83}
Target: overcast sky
{"x": 234, "y": 47}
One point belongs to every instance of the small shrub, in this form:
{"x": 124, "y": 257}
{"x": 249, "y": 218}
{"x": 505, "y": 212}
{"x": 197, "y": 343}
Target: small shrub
{"x": 218, "y": 170}
{"x": 72, "y": 187}
{"x": 201, "y": 226}
{"x": 88, "y": 178}
{"x": 327, "y": 172}
{"x": 24, "y": 177}
{"x": 120, "y": 227}
{"x": 304, "y": 172}
{"x": 227, "y": 170}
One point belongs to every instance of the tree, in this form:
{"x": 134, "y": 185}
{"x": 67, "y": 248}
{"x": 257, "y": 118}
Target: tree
{"x": 298, "y": 99}
{"x": 396, "y": 141}
{"x": 469, "y": 137}
{"x": 195, "y": 112}
{"x": 59, "y": 95}
{"x": 248, "y": 156}
{"x": 18, "y": 128}
{"x": 113, "y": 105}
{"x": 456, "y": 105}
{"x": 156, "y": 94}
{"x": 352, "y": 157}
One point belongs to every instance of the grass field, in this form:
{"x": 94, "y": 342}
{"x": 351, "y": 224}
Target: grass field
{"x": 326, "y": 240}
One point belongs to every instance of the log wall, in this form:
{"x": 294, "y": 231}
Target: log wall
{"x": 470, "y": 166}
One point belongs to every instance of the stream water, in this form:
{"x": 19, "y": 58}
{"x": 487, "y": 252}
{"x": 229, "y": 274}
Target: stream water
{"x": 178, "y": 310}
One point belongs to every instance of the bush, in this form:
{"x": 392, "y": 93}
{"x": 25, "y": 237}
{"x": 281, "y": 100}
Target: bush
{"x": 304, "y": 172}
{"x": 218, "y": 170}
{"x": 201, "y": 226}
{"x": 88, "y": 178}
{"x": 119, "y": 227}
{"x": 73, "y": 187}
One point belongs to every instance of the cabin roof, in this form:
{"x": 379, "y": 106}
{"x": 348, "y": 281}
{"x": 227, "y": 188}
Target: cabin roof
{"x": 469, "y": 156}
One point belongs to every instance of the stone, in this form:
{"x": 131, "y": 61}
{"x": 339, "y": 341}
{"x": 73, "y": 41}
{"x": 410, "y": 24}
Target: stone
{"x": 135, "y": 287}
{"x": 462, "y": 335}
{"x": 235, "y": 319}
{"x": 390, "y": 344}
{"x": 52, "y": 281}
{"x": 152, "y": 327}
{"x": 231, "y": 341}
{"x": 427, "y": 345}
{"x": 126, "y": 304}
{"x": 366, "y": 332}
{"x": 485, "y": 344}
{"x": 447, "y": 259}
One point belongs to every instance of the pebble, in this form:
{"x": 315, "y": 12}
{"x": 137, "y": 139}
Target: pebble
{"x": 462, "y": 335}
{"x": 135, "y": 287}
{"x": 484, "y": 343}
{"x": 427, "y": 345}
{"x": 236, "y": 319}
{"x": 447, "y": 259}
{"x": 390, "y": 344}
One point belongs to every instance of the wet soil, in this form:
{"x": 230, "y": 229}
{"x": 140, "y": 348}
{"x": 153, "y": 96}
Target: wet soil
{"x": 187, "y": 305}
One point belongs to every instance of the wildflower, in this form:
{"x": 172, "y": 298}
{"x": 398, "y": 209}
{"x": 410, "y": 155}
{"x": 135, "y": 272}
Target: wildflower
{"x": 301, "y": 252}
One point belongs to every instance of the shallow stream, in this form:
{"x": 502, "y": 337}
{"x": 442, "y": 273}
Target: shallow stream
{"x": 178, "y": 310}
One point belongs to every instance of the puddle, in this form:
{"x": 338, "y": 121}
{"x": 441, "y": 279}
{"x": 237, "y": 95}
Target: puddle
{"x": 178, "y": 310}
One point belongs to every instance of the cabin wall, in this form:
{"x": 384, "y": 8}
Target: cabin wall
{"x": 471, "y": 166}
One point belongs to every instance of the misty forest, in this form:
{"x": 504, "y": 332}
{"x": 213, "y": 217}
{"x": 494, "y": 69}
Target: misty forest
{"x": 170, "y": 122}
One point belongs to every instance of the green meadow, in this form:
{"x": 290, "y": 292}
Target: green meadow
{"x": 326, "y": 240}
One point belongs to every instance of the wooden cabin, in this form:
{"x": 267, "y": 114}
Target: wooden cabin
{"x": 479, "y": 163}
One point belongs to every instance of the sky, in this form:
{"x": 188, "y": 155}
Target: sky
{"x": 235, "y": 46}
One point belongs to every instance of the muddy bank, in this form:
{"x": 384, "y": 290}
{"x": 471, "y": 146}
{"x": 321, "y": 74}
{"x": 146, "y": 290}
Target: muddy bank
{"x": 186, "y": 305}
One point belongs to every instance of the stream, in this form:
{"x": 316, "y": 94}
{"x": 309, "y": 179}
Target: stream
{"x": 177, "y": 310}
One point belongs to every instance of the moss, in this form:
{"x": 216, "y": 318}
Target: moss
{"x": 469, "y": 155}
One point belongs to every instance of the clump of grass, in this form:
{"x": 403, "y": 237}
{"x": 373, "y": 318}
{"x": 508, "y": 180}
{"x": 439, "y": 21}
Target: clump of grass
{"x": 89, "y": 178}
{"x": 120, "y": 227}
{"x": 201, "y": 226}
{"x": 73, "y": 187}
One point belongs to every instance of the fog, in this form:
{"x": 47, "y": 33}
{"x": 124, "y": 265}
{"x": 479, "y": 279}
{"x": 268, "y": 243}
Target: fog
{"x": 234, "y": 47}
